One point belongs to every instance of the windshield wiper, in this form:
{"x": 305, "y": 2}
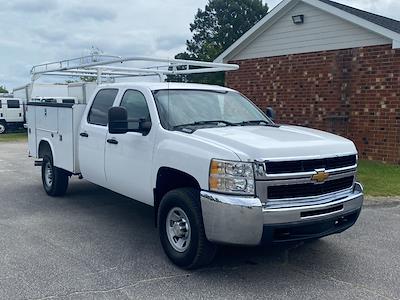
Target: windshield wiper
{"x": 201, "y": 123}
{"x": 256, "y": 122}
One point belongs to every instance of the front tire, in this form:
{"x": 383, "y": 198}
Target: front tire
{"x": 181, "y": 229}
{"x": 55, "y": 180}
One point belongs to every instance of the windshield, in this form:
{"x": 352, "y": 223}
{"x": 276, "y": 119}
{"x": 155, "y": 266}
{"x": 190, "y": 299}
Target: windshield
{"x": 199, "y": 108}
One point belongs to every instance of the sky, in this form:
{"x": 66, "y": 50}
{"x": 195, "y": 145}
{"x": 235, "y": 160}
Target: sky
{"x": 36, "y": 31}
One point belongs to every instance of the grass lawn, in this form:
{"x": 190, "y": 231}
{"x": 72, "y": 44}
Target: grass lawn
{"x": 13, "y": 137}
{"x": 379, "y": 179}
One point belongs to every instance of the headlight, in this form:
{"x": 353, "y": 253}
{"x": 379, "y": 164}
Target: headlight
{"x": 231, "y": 177}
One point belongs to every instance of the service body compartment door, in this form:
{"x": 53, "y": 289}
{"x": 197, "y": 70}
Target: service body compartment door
{"x": 46, "y": 119}
{"x": 64, "y": 141}
{"x": 31, "y": 121}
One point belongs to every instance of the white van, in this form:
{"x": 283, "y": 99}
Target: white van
{"x": 11, "y": 114}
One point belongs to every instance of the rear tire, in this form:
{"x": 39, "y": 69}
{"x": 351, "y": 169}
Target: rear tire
{"x": 55, "y": 180}
{"x": 3, "y": 128}
{"x": 181, "y": 229}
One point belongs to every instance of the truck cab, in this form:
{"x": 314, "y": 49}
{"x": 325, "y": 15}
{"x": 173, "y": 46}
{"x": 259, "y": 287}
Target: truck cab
{"x": 11, "y": 114}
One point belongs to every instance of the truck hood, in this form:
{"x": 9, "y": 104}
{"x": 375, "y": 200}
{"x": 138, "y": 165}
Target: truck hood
{"x": 285, "y": 142}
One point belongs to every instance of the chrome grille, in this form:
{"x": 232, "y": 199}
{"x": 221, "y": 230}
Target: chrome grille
{"x": 278, "y": 167}
{"x": 293, "y": 189}
{"x": 309, "y": 189}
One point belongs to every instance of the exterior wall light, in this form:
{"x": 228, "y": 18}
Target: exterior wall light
{"x": 299, "y": 19}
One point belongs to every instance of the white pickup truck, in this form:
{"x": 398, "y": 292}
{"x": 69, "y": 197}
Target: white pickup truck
{"x": 216, "y": 169}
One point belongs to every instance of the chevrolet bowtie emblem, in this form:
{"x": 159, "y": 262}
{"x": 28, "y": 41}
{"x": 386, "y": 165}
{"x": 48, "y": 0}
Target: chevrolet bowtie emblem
{"x": 320, "y": 177}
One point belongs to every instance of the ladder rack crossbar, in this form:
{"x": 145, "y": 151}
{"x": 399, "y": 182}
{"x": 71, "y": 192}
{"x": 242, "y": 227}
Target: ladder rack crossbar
{"x": 73, "y": 62}
{"x": 103, "y": 65}
{"x": 112, "y": 72}
{"x": 94, "y": 74}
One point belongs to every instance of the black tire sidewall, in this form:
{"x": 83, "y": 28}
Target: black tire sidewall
{"x": 178, "y": 199}
{"x": 49, "y": 189}
{"x": 60, "y": 178}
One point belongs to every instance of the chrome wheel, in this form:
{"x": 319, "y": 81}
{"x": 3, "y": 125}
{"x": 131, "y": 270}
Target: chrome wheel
{"x": 178, "y": 229}
{"x": 48, "y": 174}
{"x": 2, "y": 128}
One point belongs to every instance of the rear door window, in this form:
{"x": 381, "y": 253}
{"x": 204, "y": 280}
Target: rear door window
{"x": 13, "y": 104}
{"x": 98, "y": 114}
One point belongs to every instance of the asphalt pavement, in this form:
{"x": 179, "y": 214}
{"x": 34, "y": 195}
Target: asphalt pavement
{"x": 95, "y": 244}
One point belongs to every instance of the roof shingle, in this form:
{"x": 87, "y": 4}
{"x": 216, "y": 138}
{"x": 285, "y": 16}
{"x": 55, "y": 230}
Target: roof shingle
{"x": 387, "y": 23}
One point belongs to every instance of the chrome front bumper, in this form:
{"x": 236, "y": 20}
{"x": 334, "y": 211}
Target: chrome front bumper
{"x": 241, "y": 220}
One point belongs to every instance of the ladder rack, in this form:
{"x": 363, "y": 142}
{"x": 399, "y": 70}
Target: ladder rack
{"x": 109, "y": 66}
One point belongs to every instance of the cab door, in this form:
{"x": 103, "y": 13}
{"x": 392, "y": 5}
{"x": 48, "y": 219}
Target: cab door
{"x": 92, "y": 137}
{"x": 128, "y": 157}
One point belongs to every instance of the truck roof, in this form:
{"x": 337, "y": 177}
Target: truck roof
{"x": 153, "y": 86}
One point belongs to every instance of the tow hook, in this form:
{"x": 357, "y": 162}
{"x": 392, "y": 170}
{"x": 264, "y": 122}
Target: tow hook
{"x": 341, "y": 220}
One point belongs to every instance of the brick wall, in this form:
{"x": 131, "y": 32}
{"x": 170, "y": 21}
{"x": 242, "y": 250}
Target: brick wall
{"x": 351, "y": 92}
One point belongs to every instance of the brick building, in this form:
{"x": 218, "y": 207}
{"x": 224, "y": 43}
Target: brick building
{"x": 328, "y": 66}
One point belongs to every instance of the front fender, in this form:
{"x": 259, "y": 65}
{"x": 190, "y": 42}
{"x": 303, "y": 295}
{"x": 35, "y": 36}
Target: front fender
{"x": 188, "y": 154}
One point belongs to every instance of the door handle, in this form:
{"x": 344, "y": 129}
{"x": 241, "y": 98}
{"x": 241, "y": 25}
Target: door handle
{"x": 84, "y": 134}
{"x": 112, "y": 141}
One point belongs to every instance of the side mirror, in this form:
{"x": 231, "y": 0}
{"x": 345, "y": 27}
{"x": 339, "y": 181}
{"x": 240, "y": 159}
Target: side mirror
{"x": 271, "y": 113}
{"x": 117, "y": 120}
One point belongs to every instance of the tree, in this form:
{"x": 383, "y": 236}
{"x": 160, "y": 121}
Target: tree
{"x": 217, "y": 27}
{"x": 3, "y": 89}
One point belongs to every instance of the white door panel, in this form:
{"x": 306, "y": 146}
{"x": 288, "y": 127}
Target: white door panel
{"x": 128, "y": 163}
{"x": 92, "y": 140}
{"x": 92, "y": 137}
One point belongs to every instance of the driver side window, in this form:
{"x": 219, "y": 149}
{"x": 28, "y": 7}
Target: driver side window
{"x": 136, "y": 106}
